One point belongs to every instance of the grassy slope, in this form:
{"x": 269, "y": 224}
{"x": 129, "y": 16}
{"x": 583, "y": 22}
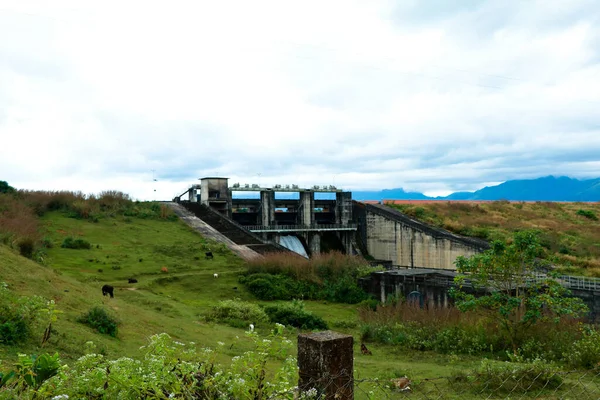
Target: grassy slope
{"x": 572, "y": 240}
{"x": 163, "y": 302}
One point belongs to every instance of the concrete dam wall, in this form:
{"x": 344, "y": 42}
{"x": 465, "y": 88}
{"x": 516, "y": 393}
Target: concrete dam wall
{"x": 391, "y": 235}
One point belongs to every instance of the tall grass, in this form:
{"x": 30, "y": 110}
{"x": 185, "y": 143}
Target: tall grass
{"x": 316, "y": 269}
{"x": 447, "y": 330}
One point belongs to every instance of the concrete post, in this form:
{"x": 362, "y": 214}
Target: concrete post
{"x": 326, "y": 364}
{"x": 314, "y": 243}
{"x": 307, "y": 208}
{"x": 267, "y": 202}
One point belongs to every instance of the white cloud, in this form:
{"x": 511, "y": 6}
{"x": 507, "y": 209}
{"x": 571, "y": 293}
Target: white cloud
{"x": 363, "y": 94}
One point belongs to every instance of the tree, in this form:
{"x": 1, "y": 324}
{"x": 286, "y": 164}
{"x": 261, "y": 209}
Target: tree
{"x": 508, "y": 287}
{"x": 6, "y": 188}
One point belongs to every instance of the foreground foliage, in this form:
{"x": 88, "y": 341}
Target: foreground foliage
{"x": 18, "y": 315}
{"x": 169, "y": 369}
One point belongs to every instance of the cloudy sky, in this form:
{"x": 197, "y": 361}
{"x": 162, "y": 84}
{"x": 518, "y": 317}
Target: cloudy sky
{"x": 421, "y": 94}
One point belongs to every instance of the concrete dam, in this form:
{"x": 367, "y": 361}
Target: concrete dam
{"x": 309, "y": 225}
{"x": 390, "y": 235}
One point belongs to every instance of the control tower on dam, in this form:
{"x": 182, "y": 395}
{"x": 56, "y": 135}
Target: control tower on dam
{"x": 294, "y": 214}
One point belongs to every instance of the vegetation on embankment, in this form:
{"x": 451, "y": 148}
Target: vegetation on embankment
{"x": 570, "y": 232}
{"x": 330, "y": 276}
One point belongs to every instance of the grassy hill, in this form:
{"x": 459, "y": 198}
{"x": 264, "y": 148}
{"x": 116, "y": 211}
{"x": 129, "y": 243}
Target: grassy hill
{"x": 137, "y": 243}
{"x": 123, "y": 248}
{"x": 570, "y": 231}
{"x": 139, "y": 246}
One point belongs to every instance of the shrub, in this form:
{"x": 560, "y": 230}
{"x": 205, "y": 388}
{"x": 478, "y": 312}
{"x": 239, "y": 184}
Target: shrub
{"x": 98, "y": 319}
{"x": 331, "y": 277}
{"x": 589, "y": 214}
{"x": 295, "y": 315}
{"x": 236, "y": 313}
{"x": 279, "y": 287}
{"x": 70, "y": 243}
{"x": 26, "y": 246}
{"x": 18, "y": 314}
{"x": 585, "y": 353}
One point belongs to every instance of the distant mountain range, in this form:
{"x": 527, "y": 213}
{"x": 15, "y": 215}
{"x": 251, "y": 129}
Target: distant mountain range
{"x": 548, "y": 188}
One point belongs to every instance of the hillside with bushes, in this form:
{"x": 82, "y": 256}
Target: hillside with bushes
{"x": 570, "y": 232}
{"x": 174, "y": 330}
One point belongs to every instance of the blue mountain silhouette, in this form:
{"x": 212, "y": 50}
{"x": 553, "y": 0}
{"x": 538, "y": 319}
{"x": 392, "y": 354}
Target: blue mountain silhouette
{"x": 548, "y": 188}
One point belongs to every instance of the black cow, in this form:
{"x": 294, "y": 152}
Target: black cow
{"x": 209, "y": 255}
{"x": 107, "y": 289}
{"x": 132, "y": 280}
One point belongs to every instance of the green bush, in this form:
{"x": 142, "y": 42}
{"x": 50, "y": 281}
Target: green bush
{"x": 279, "y": 287}
{"x": 589, "y": 214}
{"x": 585, "y": 353}
{"x": 26, "y": 246}
{"x": 448, "y": 340}
{"x": 295, "y": 315}
{"x": 18, "y": 315}
{"x": 98, "y": 319}
{"x": 70, "y": 243}
{"x": 343, "y": 289}
{"x": 236, "y": 313}
{"x": 13, "y": 331}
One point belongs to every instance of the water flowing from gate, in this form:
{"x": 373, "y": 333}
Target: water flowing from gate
{"x": 294, "y": 244}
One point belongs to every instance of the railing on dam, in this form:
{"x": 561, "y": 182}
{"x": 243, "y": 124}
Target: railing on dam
{"x": 301, "y": 228}
{"x": 568, "y": 281}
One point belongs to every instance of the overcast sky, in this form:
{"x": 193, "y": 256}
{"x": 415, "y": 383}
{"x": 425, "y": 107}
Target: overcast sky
{"x": 420, "y": 94}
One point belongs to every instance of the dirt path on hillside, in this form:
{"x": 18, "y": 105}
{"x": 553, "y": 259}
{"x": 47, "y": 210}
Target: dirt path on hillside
{"x": 208, "y": 231}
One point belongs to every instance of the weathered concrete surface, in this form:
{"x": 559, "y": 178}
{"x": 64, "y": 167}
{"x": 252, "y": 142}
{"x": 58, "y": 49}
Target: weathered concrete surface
{"x": 267, "y": 202}
{"x": 326, "y": 363}
{"x": 392, "y": 235}
{"x": 208, "y": 231}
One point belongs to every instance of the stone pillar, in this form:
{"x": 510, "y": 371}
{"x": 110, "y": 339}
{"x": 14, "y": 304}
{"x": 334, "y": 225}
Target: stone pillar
{"x": 314, "y": 243}
{"x": 267, "y": 202}
{"x": 307, "y": 208}
{"x": 326, "y": 364}
{"x": 343, "y": 207}
{"x": 346, "y": 239}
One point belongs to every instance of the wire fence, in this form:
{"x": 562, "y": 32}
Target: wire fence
{"x": 521, "y": 384}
